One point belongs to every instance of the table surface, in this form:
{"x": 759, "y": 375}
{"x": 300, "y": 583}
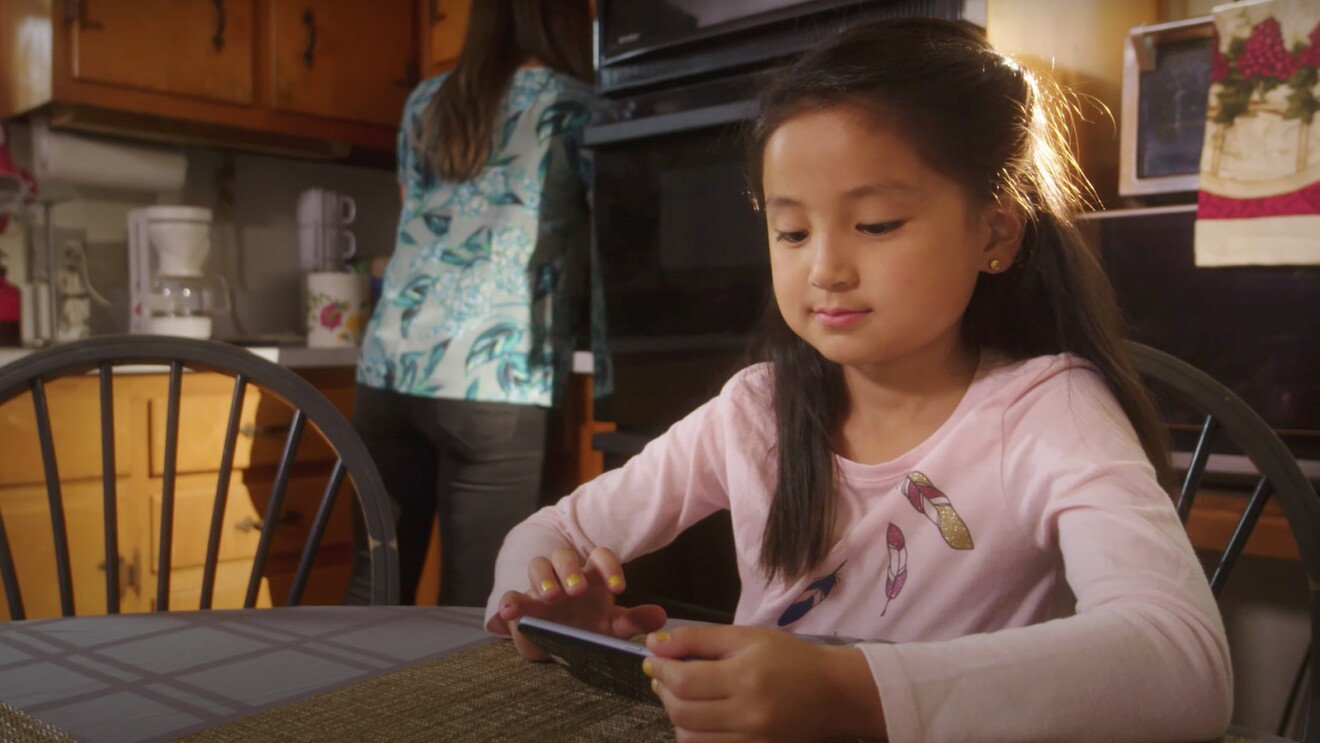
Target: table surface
{"x": 137, "y": 677}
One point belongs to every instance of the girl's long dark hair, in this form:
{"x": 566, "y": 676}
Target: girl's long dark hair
{"x": 976, "y": 116}
{"x": 457, "y": 127}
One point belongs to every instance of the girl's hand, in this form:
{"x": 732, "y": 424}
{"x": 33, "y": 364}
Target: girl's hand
{"x": 567, "y": 591}
{"x": 746, "y": 683}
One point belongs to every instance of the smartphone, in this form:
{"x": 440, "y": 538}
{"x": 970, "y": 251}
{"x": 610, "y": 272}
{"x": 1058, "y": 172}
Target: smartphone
{"x": 600, "y": 660}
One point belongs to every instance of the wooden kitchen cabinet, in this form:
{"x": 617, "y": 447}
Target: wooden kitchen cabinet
{"x": 139, "y": 423}
{"x": 309, "y": 78}
{"x": 197, "y": 48}
{"x": 343, "y": 60}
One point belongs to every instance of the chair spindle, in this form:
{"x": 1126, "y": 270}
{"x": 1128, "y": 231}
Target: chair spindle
{"x": 222, "y": 491}
{"x": 1241, "y": 533}
{"x": 108, "y": 480}
{"x": 58, "y": 528}
{"x": 275, "y": 505}
{"x": 13, "y": 594}
{"x": 165, "y": 558}
{"x": 1196, "y": 469}
{"x": 318, "y": 531}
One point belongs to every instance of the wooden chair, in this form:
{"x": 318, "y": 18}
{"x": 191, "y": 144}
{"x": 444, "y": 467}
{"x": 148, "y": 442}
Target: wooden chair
{"x": 1225, "y": 419}
{"x": 100, "y": 357}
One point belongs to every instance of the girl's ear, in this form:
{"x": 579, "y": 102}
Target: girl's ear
{"x": 1006, "y": 225}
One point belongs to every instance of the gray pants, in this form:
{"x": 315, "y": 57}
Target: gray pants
{"x": 476, "y": 464}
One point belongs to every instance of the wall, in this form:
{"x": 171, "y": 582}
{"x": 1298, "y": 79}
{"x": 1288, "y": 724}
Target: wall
{"x": 254, "y": 239}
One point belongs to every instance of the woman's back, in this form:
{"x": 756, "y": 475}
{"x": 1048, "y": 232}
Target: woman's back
{"x": 477, "y": 297}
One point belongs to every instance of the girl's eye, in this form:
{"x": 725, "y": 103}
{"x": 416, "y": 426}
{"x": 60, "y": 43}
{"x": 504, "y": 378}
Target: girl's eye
{"x": 879, "y": 228}
{"x": 790, "y": 237}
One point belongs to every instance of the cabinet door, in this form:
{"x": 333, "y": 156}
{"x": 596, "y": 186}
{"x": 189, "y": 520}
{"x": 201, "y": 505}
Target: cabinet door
{"x": 449, "y": 22}
{"x": 199, "y": 48}
{"x": 355, "y": 61}
{"x": 26, "y": 512}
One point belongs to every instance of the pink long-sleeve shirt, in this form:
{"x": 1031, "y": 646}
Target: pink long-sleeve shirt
{"x": 958, "y": 553}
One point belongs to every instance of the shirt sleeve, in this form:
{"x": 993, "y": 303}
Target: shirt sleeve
{"x": 1144, "y": 657}
{"x": 677, "y": 480}
{"x": 406, "y": 152}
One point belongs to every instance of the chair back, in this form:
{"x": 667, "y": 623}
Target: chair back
{"x": 1225, "y": 420}
{"x": 101, "y": 357}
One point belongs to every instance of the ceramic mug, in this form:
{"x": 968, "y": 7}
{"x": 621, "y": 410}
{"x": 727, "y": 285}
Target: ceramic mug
{"x": 337, "y": 309}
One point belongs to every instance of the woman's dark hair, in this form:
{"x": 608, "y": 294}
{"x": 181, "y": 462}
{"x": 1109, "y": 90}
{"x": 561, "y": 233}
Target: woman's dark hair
{"x": 457, "y": 128}
{"x": 976, "y": 116}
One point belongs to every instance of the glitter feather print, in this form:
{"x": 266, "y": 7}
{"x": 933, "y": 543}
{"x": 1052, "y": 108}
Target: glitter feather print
{"x": 897, "y": 573}
{"x": 817, "y": 591}
{"x": 934, "y": 505}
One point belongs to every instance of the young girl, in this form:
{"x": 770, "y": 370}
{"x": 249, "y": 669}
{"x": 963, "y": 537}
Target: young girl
{"x": 947, "y": 436}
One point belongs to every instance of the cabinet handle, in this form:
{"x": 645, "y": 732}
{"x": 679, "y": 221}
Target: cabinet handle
{"x": 218, "y": 40}
{"x": 76, "y": 10}
{"x": 309, "y": 54}
{"x": 129, "y": 572}
{"x": 412, "y": 75}
{"x": 287, "y": 518}
{"x": 252, "y": 430}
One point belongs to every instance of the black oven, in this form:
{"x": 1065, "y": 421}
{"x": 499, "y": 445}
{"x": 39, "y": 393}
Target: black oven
{"x": 683, "y": 253}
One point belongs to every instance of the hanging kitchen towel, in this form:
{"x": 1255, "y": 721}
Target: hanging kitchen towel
{"x": 1260, "y": 167}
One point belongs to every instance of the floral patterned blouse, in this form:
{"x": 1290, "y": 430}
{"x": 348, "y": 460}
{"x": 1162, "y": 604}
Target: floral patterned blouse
{"x": 485, "y": 289}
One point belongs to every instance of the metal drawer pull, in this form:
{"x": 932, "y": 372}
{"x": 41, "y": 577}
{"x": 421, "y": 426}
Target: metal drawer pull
{"x": 249, "y": 524}
{"x": 252, "y": 430}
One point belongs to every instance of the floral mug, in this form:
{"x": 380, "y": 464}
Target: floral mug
{"x": 337, "y": 306}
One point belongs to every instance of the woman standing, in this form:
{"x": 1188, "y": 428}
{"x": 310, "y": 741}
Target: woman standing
{"x": 473, "y": 335}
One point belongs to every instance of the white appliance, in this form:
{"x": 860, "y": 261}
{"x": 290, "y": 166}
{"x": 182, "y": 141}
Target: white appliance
{"x": 170, "y": 292}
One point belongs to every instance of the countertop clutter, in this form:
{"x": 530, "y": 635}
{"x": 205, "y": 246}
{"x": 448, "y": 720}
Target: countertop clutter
{"x": 293, "y": 357}
{"x": 299, "y": 357}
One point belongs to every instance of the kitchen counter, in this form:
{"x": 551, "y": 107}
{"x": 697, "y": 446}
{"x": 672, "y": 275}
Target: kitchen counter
{"x": 293, "y": 357}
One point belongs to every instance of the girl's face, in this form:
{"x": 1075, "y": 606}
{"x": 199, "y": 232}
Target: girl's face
{"x": 874, "y": 253}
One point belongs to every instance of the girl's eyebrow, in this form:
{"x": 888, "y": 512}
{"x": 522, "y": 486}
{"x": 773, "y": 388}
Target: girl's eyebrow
{"x": 900, "y": 187}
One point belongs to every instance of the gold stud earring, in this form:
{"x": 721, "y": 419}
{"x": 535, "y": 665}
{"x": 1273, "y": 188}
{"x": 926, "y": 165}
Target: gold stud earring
{"x": 995, "y": 264}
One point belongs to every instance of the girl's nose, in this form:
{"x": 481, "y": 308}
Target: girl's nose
{"x": 832, "y": 267}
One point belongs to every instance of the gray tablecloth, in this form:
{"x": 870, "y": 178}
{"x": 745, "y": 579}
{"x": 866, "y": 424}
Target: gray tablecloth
{"x": 158, "y": 676}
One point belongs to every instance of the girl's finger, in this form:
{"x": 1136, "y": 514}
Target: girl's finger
{"x": 510, "y": 608}
{"x": 698, "y": 718}
{"x": 637, "y": 620}
{"x": 605, "y": 563}
{"x": 541, "y": 576}
{"x": 690, "y": 680}
{"x": 524, "y": 646}
{"x": 568, "y": 568}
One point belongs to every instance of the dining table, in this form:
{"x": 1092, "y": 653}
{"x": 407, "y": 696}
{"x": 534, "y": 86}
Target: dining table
{"x": 360, "y": 673}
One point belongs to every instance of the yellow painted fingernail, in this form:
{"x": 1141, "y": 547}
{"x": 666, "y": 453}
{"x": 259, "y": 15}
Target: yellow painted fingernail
{"x": 662, "y": 637}
{"x": 616, "y": 581}
{"x": 646, "y": 667}
{"x": 547, "y": 586}
{"x": 655, "y": 685}
{"x": 573, "y": 580}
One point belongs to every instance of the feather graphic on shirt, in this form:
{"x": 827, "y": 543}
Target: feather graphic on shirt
{"x": 897, "y": 574}
{"x": 817, "y": 591}
{"x": 935, "y": 505}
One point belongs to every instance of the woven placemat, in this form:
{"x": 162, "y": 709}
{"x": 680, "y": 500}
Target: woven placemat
{"x": 19, "y": 727}
{"x": 486, "y": 693}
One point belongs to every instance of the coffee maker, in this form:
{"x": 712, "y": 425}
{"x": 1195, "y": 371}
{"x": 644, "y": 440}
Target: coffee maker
{"x": 169, "y": 291}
